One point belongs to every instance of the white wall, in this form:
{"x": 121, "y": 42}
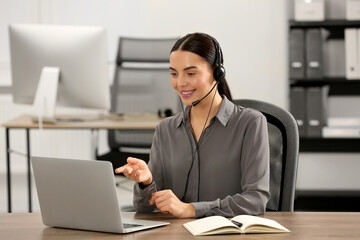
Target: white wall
{"x": 252, "y": 33}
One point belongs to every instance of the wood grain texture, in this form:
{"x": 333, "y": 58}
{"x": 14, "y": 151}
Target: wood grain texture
{"x": 303, "y": 225}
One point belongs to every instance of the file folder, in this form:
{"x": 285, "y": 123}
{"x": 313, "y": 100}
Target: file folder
{"x": 297, "y": 54}
{"x": 314, "y": 54}
{"x": 352, "y": 53}
{"x": 298, "y": 108}
{"x": 316, "y": 107}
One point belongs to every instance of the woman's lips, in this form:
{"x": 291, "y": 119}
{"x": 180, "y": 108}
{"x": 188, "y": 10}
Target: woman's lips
{"x": 186, "y": 93}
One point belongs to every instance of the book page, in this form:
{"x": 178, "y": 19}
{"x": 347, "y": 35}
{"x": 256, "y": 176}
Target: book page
{"x": 207, "y": 224}
{"x": 259, "y": 224}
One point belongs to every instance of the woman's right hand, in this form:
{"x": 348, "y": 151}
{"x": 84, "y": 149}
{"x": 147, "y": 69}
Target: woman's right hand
{"x": 136, "y": 170}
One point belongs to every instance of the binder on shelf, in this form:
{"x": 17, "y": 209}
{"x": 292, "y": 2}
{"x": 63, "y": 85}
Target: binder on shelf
{"x": 352, "y": 53}
{"x": 314, "y": 54}
{"x": 298, "y": 108}
{"x": 316, "y": 110}
{"x": 297, "y": 54}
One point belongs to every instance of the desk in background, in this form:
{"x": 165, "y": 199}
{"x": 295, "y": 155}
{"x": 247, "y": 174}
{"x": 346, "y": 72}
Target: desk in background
{"x": 90, "y": 122}
{"x": 303, "y": 225}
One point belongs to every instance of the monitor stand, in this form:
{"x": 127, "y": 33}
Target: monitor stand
{"x": 46, "y": 93}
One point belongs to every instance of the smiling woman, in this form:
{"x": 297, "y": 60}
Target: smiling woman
{"x": 223, "y": 167}
{"x": 193, "y": 79}
{"x": 203, "y": 53}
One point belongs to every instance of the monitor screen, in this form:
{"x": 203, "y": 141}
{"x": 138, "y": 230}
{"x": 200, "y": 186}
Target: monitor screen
{"x": 78, "y": 52}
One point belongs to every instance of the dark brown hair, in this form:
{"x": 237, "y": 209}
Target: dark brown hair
{"x": 203, "y": 45}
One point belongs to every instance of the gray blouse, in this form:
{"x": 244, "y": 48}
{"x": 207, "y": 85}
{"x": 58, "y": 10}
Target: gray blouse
{"x": 230, "y": 173}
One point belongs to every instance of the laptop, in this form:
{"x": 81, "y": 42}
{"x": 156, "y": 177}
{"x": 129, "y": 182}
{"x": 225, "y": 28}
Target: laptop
{"x": 81, "y": 194}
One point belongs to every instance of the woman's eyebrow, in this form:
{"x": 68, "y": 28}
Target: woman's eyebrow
{"x": 188, "y": 68}
{"x": 185, "y": 69}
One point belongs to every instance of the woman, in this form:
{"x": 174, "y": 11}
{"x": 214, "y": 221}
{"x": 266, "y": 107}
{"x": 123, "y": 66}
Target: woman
{"x": 213, "y": 157}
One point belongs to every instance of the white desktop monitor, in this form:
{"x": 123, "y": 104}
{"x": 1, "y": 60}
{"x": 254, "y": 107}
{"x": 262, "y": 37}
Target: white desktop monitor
{"x": 59, "y": 65}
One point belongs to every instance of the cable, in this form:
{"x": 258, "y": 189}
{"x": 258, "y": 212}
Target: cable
{"x": 192, "y": 150}
{"x": 202, "y": 131}
{"x": 196, "y": 150}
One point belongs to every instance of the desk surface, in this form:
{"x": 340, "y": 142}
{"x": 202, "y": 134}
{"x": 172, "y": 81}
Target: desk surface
{"x": 303, "y": 225}
{"x": 130, "y": 121}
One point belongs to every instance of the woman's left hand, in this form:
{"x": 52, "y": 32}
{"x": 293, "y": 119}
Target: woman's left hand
{"x": 167, "y": 202}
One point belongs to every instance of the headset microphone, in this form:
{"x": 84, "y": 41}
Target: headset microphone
{"x": 219, "y": 70}
{"x": 198, "y": 101}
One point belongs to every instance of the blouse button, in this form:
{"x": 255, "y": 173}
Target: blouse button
{"x": 207, "y": 130}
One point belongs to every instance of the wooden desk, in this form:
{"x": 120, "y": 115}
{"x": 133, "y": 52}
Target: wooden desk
{"x": 131, "y": 121}
{"x": 91, "y": 122}
{"x": 303, "y": 225}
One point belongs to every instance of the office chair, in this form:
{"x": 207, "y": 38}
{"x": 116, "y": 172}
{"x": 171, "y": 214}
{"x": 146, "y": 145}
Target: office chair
{"x": 141, "y": 85}
{"x": 284, "y": 151}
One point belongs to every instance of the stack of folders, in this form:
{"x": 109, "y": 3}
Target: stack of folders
{"x": 342, "y": 128}
{"x": 306, "y": 54}
{"x": 309, "y": 108}
{"x": 352, "y": 53}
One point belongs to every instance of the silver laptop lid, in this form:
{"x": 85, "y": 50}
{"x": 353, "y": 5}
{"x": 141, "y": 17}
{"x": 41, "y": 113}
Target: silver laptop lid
{"x": 59, "y": 182}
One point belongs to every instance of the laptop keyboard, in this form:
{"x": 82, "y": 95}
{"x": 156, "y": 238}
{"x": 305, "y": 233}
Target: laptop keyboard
{"x": 129, "y": 225}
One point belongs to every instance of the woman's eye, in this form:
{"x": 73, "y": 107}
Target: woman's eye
{"x": 172, "y": 74}
{"x": 191, "y": 74}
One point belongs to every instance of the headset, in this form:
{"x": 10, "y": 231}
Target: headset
{"x": 219, "y": 70}
{"x": 219, "y": 75}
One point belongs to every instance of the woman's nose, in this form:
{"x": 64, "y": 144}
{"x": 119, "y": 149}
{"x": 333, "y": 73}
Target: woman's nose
{"x": 182, "y": 81}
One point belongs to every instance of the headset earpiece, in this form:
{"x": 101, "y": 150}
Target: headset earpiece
{"x": 219, "y": 73}
{"x": 219, "y": 70}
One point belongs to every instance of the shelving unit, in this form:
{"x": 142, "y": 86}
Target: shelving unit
{"x": 335, "y": 27}
{"x": 325, "y": 24}
{"x": 323, "y": 199}
{"x": 351, "y": 145}
{"x": 338, "y": 87}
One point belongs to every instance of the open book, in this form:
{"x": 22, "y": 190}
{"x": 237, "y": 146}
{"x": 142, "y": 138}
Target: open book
{"x": 239, "y": 224}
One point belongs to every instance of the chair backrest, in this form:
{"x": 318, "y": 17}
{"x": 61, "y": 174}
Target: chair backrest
{"x": 151, "y": 50}
{"x": 284, "y": 153}
{"x": 141, "y": 85}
